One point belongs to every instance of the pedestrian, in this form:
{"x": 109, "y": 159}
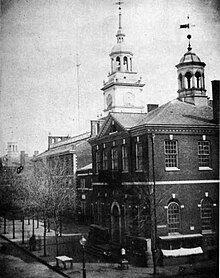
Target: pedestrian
{"x": 123, "y": 254}
{"x": 32, "y": 243}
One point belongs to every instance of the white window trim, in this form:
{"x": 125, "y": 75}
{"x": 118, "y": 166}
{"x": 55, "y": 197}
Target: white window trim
{"x": 205, "y": 169}
{"x": 169, "y": 169}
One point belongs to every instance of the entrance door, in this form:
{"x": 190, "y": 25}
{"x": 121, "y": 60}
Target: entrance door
{"x": 116, "y": 222}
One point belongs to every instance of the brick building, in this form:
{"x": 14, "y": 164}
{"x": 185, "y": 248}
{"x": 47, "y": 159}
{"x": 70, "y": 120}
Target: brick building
{"x": 84, "y": 193}
{"x": 170, "y": 151}
{"x": 71, "y": 153}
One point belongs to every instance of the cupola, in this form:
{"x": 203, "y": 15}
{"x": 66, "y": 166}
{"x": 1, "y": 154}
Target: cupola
{"x": 191, "y": 79}
{"x": 122, "y": 89}
{"x": 121, "y": 56}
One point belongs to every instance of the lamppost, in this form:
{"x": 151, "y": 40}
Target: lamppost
{"x": 83, "y": 243}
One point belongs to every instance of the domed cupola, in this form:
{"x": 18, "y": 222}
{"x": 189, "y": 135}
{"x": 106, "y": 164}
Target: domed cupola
{"x": 191, "y": 80}
{"x": 121, "y": 56}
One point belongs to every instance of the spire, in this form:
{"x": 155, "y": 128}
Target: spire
{"x": 120, "y": 36}
{"x": 189, "y": 46}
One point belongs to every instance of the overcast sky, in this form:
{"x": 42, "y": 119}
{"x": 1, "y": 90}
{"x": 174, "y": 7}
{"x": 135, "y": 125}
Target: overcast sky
{"x": 40, "y": 40}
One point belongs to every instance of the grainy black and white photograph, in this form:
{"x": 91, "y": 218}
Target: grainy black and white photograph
{"x": 109, "y": 138}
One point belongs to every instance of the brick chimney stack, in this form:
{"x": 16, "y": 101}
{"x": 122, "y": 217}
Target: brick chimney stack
{"x": 215, "y": 96}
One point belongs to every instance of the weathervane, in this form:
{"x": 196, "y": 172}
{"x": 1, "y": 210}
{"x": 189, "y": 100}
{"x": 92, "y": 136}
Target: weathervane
{"x": 187, "y": 25}
{"x": 119, "y": 3}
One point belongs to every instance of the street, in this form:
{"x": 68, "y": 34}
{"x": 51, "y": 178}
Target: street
{"x": 15, "y": 262}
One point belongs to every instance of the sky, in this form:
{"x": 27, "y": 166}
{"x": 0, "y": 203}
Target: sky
{"x": 40, "y": 41}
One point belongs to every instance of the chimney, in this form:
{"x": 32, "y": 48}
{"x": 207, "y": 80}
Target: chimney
{"x": 22, "y": 158}
{"x": 215, "y": 97}
{"x": 151, "y": 107}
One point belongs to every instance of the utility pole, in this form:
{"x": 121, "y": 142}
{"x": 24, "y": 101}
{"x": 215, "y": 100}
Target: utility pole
{"x": 78, "y": 92}
{"x": 153, "y": 210}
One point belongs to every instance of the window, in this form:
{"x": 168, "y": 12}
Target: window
{"x": 126, "y": 63}
{"x": 138, "y": 156}
{"x": 180, "y": 81}
{"x": 118, "y": 64}
{"x": 171, "y": 154}
{"x": 173, "y": 217}
{"x": 105, "y": 159}
{"x": 204, "y": 153}
{"x": 207, "y": 213}
{"x": 188, "y": 79}
{"x": 124, "y": 158}
{"x": 198, "y": 80}
{"x": 114, "y": 157}
{"x": 97, "y": 160}
{"x": 82, "y": 182}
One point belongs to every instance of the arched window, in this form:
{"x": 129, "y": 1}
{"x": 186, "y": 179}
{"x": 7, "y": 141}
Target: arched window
{"x": 180, "y": 81}
{"x": 173, "y": 217}
{"x": 207, "y": 213}
{"x": 118, "y": 63}
{"x": 112, "y": 63}
{"x": 126, "y": 63}
{"x": 130, "y": 64}
{"x": 198, "y": 80}
{"x": 188, "y": 76}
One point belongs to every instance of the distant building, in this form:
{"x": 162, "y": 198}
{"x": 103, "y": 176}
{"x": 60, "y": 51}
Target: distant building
{"x": 84, "y": 194}
{"x": 71, "y": 153}
{"x": 12, "y": 155}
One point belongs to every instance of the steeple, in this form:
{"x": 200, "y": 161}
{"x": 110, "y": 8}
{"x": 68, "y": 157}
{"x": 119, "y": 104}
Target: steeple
{"x": 120, "y": 36}
{"x": 191, "y": 79}
{"x": 122, "y": 88}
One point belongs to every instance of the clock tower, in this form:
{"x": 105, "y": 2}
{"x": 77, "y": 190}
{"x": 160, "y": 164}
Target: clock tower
{"x": 122, "y": 89}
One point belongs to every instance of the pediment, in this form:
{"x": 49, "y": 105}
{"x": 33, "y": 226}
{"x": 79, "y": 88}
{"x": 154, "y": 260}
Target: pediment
{"x": 110, "y": 126}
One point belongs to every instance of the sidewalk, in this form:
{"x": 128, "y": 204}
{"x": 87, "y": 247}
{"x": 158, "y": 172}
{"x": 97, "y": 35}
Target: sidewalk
{"x": 28, "y": 230}
{"x": 96, "y": 270}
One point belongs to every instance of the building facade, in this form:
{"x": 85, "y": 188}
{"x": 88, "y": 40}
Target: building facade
{"x": 84, "y": 194}
{"x": 66, "y": 155}
{"x": 166, "y": 158}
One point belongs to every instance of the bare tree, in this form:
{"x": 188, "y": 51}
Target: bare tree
{"x": 49, "y": 194}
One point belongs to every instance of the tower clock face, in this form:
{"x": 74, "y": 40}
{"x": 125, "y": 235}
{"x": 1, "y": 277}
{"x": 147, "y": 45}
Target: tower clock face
{"x": 129, "y": 99}
{"x": 109, "y": 101}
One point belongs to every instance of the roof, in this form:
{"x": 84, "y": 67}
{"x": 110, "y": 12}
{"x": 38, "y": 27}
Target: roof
{"x": 177, "y": 112}
{"x": 128, "y": 120}
{"x": 85, "y": 168}
{"x": 121, "y": 47}
{"x": 190, "y": 57}
{"x": 65, "y": 146}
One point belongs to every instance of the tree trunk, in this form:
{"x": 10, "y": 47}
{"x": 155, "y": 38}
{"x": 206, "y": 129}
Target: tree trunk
{"x": 61, "y": 227}
{"x": 22, "y": 230}
{"x": 33, "y": 226}
{"x": 13, "y": 226}
{"x": 48, "y": 225}
{"x": 56, "y": 239}
{"x": 45, "y": 233}
{"x": 37, "y": 222}
{"x": 4, "y": 223}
